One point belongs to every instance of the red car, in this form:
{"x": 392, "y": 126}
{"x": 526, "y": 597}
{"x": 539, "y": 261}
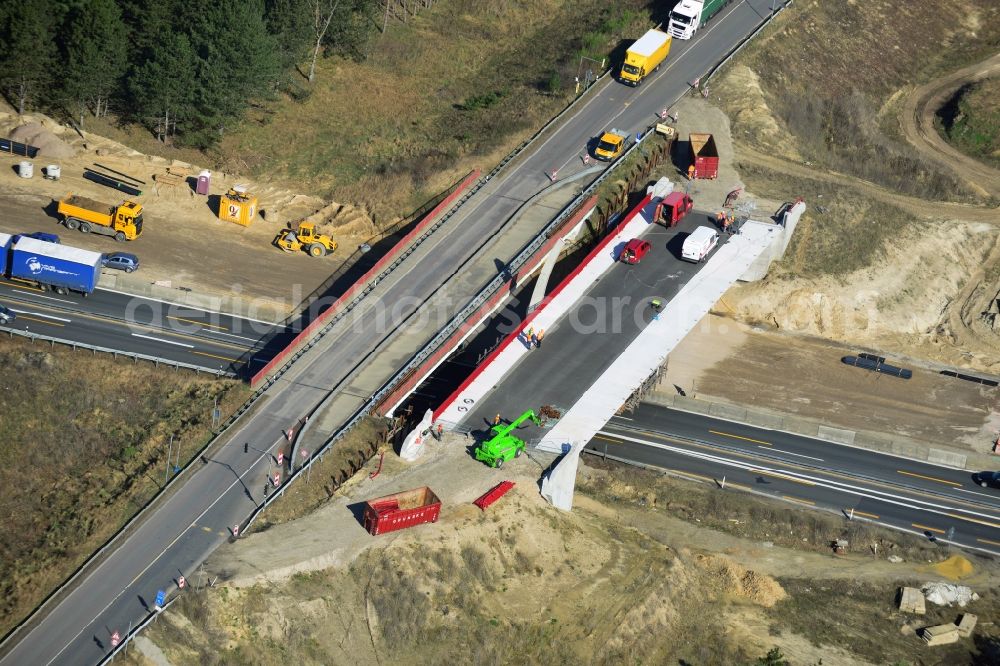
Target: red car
{"x": 635, "y": 250}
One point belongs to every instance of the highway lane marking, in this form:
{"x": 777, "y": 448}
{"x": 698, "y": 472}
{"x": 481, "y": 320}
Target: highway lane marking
{"x": 973, "y": 492}
{"x": 623, "y": 418}
{"x": 992, "y": 543}
{"x": 41, "y": 321}
{"x": 166, "y": 342}
{"x": 800, "y": 455}
{"x": 925, "y": 527}
{"x": 973, "y": 520}
{"x": 608, "y": 439}
{"x": 39, "y": 314}
{"x": 746, "y": 439}
{"x": 194, "y": 523}
{"x": 38, "y": 294}
{"x": 779, "y": 475}
{"x": 708, "y": 478}
{"x": 206, "y": 529}
{"x": 223, "y": 358}
{"x": 855, "y": 512}
{"x": 799, "y": 499}
{"x": 199, "y": 323}
{"x": 929, "y": 478}
{"x": 907, "y": 492}
{"x": 233, "y": 335}
{"x": 860, "y": 491}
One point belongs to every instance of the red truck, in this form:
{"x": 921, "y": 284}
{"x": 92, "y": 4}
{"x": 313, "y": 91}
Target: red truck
{"x": 704, "y": 156}
{"x": 401, "y": 510}
{"x": 673, "y": 208}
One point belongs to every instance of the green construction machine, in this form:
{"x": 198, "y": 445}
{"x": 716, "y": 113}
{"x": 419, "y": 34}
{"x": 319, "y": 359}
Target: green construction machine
{"x": 504, "y": 446}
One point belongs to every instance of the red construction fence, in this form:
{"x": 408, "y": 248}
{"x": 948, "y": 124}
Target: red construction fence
{"x": 323, "y": 319}
{"x": 484, "y": 310}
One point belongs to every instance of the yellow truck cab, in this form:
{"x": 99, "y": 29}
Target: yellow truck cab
{"x": 610, "y": 145}
{"x": 123, "y": 222}
{"x": 645, "y": 56}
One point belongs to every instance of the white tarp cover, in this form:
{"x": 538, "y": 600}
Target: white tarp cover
{"x": 946, "y": 594}
{"x": 413, "y": 445}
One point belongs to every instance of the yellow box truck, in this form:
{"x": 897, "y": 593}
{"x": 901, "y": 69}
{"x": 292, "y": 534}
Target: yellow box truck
{"x": 645, "y": 57}
{"x": 124, "y": 222}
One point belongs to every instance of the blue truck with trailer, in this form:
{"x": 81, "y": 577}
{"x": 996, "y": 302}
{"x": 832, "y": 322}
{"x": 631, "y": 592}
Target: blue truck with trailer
{"x": 57, "y": 267}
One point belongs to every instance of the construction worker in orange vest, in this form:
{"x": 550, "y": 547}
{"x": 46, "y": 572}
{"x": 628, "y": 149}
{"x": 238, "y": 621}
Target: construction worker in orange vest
{"x": 691, "y": 172}
{"x": 539, "y": 336}
{"x": 721, "y": 219}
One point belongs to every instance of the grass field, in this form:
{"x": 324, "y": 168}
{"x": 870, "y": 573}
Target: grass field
{"x": 85, "y": 439}
{"x": 819, "y": 85}
{"x": 971, "y": 121}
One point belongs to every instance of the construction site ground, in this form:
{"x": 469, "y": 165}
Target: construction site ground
{"x": 640, "y": 565}
{"x": 184, "y": 246}
{"x": 724, "y": 360}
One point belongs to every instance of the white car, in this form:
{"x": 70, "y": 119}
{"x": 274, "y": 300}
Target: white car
{"x": 6, "y": 315}
{"x": 699, "y": 243}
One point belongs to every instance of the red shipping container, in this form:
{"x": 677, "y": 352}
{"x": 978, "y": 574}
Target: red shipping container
{"x": 704, "y": 155}
{"x": 401, "y": 510}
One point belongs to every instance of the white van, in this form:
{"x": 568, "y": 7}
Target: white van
{"x": 699, "y": 243}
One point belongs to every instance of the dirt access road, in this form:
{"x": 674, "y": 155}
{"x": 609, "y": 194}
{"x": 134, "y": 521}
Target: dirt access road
{"x": 917, "y": 119}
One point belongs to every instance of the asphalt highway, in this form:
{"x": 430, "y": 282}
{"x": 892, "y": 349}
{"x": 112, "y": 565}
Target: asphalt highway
{"x": 133, "y": 324}
{"x": 186, "y": 526}
{"x": 938, "y": 502}
{"x": 596, "y": 330}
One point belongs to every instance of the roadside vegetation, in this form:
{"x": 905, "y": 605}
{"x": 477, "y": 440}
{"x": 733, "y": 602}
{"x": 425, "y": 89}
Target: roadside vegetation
{"x": 85, "y": 439}
{"x": 633, "y": 577}
{"x": 971, "y": 121}
{"x": 819, "y": 86}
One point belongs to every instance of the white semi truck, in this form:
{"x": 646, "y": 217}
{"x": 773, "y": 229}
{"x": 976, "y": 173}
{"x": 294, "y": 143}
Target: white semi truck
{"x": 689, "y": 15}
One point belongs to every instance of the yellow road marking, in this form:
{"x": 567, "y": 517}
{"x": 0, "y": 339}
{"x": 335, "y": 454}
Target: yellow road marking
{"x": 866, "y": 515}
{"x": 929, "y": 529}
{"x": 133, "y": 324}
{"x": 608, "y": 439}
{"x": 992, "y": 543}
{"x": 929, "y": 478}
{"x": 710, "y": 479}
{"x": 747, "y": 439}
{"x": 914, "y": 492}
{"x": 973, "y": 520}
{"x": 783, "y": 476}
{"x": 40, "y": 321}
{"x": 207, "y": 529}
{"x": 231, "y": 360}
{"x": 37, "y": 290}
{"x": 799, "y": 499}
{"x": 199, "y": 323}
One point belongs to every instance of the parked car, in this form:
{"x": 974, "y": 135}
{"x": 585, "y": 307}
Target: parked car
{"x": 699, "y": 243}
{"x": 123, "y": 261}
{"x": 39, "y": 235}
{"x": 634, "y": 251}
{"x": 6, "y": 315}
{"x": 986, "y": 479}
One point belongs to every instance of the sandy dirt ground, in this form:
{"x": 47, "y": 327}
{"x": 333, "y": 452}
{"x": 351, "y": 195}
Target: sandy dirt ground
{"x": 601, "y": 579}
{"x": 183, "y": 245}
{"x": 757, "y": 366}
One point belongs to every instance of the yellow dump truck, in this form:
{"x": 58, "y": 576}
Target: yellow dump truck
{"x": 645, "y": 56}
{"x": 124, "y": 222}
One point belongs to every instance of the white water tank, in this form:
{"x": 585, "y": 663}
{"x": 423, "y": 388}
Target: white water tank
{"x": 53, "y": 171}
{"x": 26, "y": 169}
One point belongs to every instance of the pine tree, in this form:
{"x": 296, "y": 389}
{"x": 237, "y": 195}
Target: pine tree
{"x": 162, "y": 88}
{"x": 94, "y": 50}
{"x": 290, "y": 22}
{"x": 26, "y": 59}
{"x": 238, "y": 62}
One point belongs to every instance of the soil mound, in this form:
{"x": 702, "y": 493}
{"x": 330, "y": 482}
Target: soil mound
{"x": 48, "y": 144}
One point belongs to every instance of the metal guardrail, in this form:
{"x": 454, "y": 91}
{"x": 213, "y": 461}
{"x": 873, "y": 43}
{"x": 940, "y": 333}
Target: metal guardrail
{"x": 368, "y": 288}
{"x": 156, "y": 360}
{"x": 133, "y": 632}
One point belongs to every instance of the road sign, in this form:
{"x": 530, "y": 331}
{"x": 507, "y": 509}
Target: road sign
{"x": 161, "y": 596}
{"x": 277, "y": 479}
{"x": 281, "y": 457}
{"x": 236, "y": 530}
{"x": 181, "y": 582}
{"x": 304, "y": 454}
{"x": 116, "y": 638}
